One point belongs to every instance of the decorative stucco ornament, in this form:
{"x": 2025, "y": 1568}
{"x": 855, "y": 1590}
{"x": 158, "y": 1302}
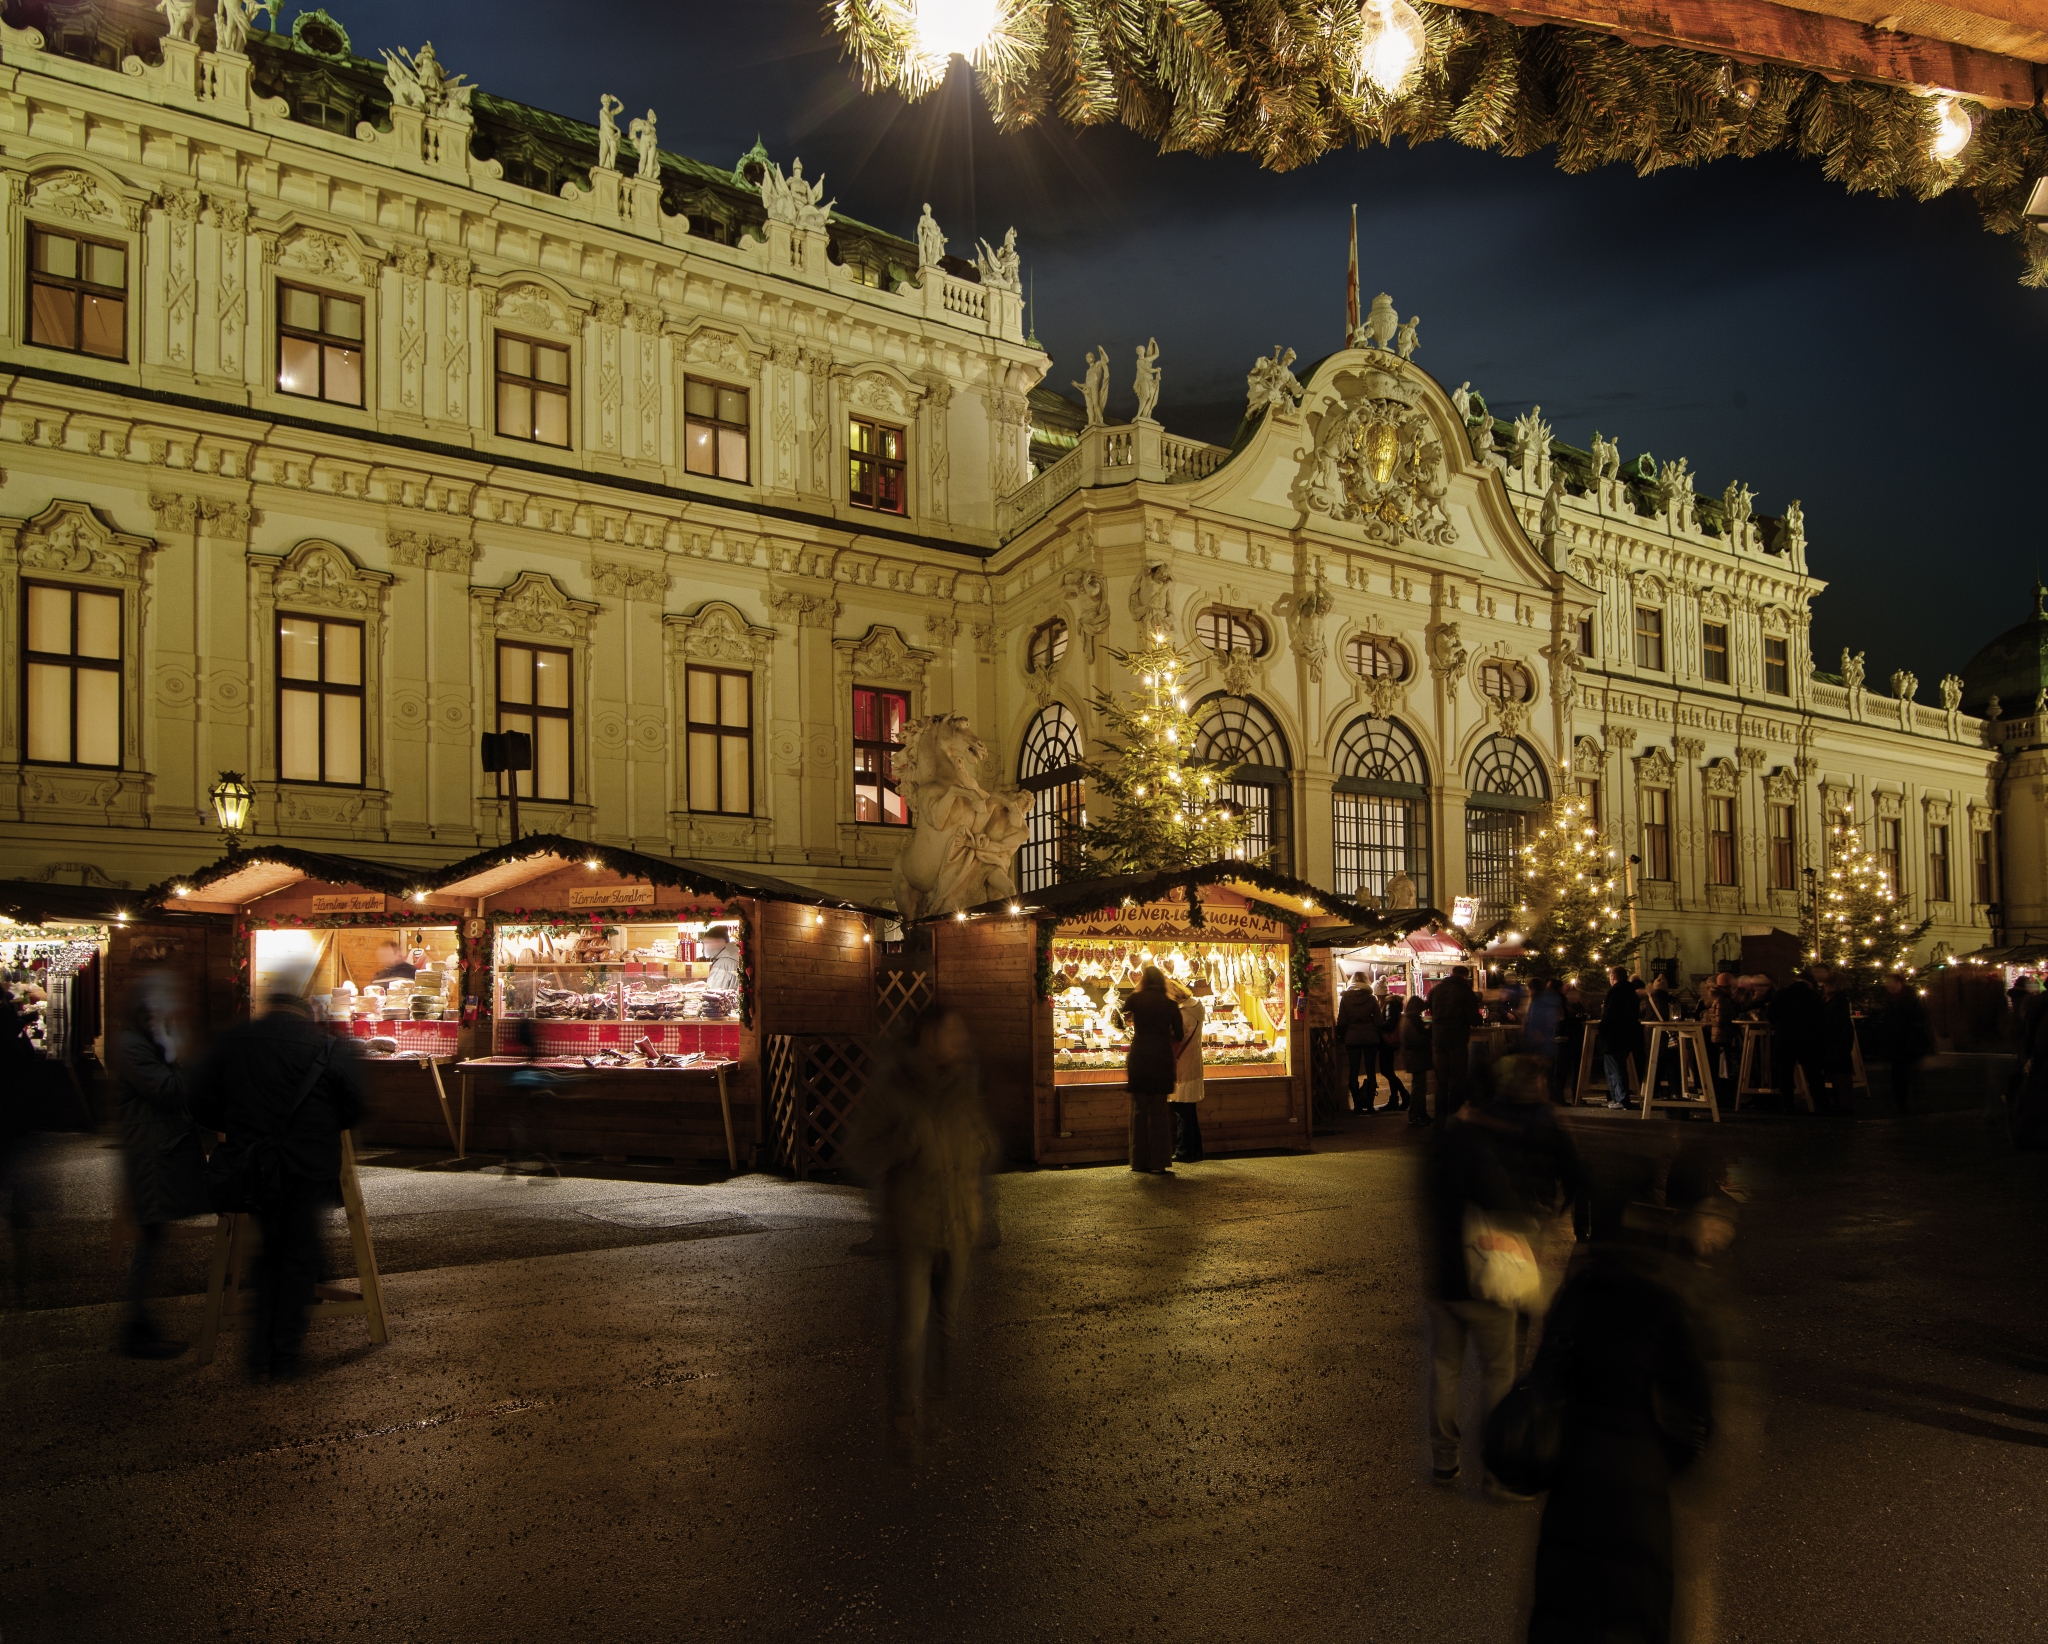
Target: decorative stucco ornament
{"x": 1147, "y": 381}
{"x": 963, "y": 837}
{"x": 1271, "y": 385}
{"x": 1094, "y": 385}
{"x": 1377, "y": 462}
{"x": 1000, "y": 265}
{"x": 420, "y": 82}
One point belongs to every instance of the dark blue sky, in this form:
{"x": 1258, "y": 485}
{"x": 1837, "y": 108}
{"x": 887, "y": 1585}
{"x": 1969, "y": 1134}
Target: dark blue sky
{"x": 1874, "y": 358}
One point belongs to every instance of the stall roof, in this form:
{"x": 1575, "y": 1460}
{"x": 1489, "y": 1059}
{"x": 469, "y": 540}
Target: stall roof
{"x": 1072, "y": 897}
{"x": 1405, "y": 924}
{"x": 537, "y": 855}
{"x": 242, "y": 876}
{"x": 2025, "y": 953}
{"x": 28, "y": 902}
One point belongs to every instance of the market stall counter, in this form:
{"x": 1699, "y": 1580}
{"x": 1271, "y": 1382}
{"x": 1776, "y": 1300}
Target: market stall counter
{"x": 622, "y": 999}
{"x": 378, "y": 956}
{"x": 1040, "y": 980}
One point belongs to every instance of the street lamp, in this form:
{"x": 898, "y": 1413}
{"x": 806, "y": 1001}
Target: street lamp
{"x": 231, "y": 799}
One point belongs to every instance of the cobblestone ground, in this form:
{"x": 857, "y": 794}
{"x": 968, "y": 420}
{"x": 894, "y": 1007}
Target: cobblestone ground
{"x": 1191, "y": 1409}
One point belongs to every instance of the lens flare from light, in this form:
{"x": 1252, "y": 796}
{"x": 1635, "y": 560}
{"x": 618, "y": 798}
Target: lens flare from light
{"x": 1390, "y": 45}
{"x": 1952, "y": 130}
{"x": 946, "y": 29}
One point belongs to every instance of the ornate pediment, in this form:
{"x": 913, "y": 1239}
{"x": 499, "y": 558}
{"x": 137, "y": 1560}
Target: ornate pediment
{"x": 872, "y": 391}
{"x": 72, "y": 539}
{"x": 1888, "y": 803}
{"x": 525, "y": 303}
{"x": 1376, "y": 462}
{"x": 1653, "y": 770}
{"x": 322, "y": 576}
{"x": 1781, "y": 787}
{"x": 1721, "y": 777}
{"x": 536, "y": 604}
{"x": 724, "y": 350}
{"x": 77, "y": 195}
{"x": 720, "y": 634}
{"x": 1937, "y": 813}
{"x": 1588, "y": 757}
{"x": 882, "y": 657}
{"x": 331, "y": 256}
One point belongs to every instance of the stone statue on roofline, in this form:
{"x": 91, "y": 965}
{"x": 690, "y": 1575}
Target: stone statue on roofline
{"x": 1147, "y": 380}
{"x": 1951, "y": 692}
{"x": 1094, "y": 385}
{"x": 1404, "y": 338}
{"x": 793, "y": 199}
{"x": 609, "y": 108}
{"x": 1001, "y": 267}
{"x": 931, "y": 239}
{"x": 420, "y": 82}
{"x": 1852, "y": 669}
{"x": 181, "y": 18}
{"x": 1379, "y": 325}
{"x": 1461, "y": 400}
{"x": 1271, "y": 383}
{"x": 647, "y": 147}
{"x": 1737, "y": 506}
{"x": 1795, "y": 528}
{"x": 231, "y": 20}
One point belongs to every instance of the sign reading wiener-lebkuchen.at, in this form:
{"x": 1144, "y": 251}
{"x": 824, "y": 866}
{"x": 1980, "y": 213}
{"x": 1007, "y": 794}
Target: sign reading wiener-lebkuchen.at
{"x": 1221, "y": 922}
{"x": 352, "y": 902}
{"x": 612, "y": 896}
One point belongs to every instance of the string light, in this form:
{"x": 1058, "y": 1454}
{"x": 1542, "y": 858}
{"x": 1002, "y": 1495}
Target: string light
{"x": 1389, "y": 46}
{"x": 1952, "y": 130}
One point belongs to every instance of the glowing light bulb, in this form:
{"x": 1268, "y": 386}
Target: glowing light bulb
{"x": 1952, "y": 130}
{"x": 1389, "y": 44}
{"x": 945, "y": 29}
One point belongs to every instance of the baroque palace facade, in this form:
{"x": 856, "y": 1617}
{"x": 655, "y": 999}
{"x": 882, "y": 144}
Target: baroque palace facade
{"x": 346, "y": 414}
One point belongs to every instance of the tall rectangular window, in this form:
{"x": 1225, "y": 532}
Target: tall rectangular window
{"x": 71, "y": 648}
{"x": 1493, "y": 841}
{"x": 1650, "y": 638}
{"x": 77, "y": 294}
{"x": 1937, "y": 862}
{"x": 1784, "y": 855}
{"x": 1052, "y": 850}
{"x": 319, "y": 345}
{"x": 1720, "y": 840}
{"x": 879, "y": 718}
{"x": 1656, "y": 833}
{"x": 1377, "y": 837}
{"x": 721, "y": 737}
{"x": 319, "y": 701}
{"x": 876, "y": 454}
{"x": 534, "y": 696}
{"x": 1980, "y": 863}
{"x": 1589, "y": 791}
{"x": 715, "y": 430}
{"x": 1586, "y": 637}
{"x": 1890, "y": 849}
{"x": 1778, "y": 667}
{"x": 1714, "y": 651}
{"x": 533, "y": 390}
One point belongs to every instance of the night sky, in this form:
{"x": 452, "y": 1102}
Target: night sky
{"x": 1876, "y": 359}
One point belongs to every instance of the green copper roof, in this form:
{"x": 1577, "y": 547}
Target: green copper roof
{"x": 2013, "y": 667}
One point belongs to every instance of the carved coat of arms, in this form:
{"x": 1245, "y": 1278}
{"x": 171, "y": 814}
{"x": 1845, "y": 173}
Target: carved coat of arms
{"x": 1377, "y": 462}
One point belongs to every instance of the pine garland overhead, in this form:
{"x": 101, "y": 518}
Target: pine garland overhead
{"x": 1276, "y": 79}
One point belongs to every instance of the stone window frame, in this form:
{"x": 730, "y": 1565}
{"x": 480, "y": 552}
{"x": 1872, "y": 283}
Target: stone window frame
{"x": 70, "y": 194}
{"x": 719, "y": 635}
{"x": 532, "y": 308}
{"x": 1654, "y": 774}
{"x": 884, "y": 659}
{"x": 877, "y": 392}
{"x": 316, "y": 577}
{"x": 335, "y": 263}
{"x": 534, "y": 609}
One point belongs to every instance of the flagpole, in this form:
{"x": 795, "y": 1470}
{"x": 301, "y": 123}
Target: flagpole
{"x": 1351, "y": 285}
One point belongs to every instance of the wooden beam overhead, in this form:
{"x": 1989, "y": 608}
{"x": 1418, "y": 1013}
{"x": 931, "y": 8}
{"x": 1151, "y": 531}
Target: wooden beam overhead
{"x": 1757, "y": 31}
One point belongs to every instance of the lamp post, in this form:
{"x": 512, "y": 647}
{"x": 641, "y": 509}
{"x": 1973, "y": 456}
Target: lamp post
{"x": 231, "y": 798}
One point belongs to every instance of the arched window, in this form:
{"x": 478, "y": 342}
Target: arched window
{"x": 1381, "y": 810}
{"x": 1503, "y": 682}
{"x": 1049, "y": 769}
{"x": 1374, "y": 658}
{"x": 1224, "y": 631}
{"x": 1238, "y": 731}
{"x": 1048, "y": 644}
{"x": 1506, "y": 782}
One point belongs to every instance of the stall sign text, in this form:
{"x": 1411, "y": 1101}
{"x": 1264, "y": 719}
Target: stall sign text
{"x": 612, "y": 896}
{"x": 1169, "y": 921}
{"x": 353, "y": 902}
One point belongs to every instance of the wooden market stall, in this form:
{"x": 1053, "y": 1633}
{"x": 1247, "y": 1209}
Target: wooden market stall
{"x": 1038, "y": 979}
{"x": 1411, "y": 950}
{"x": 645, "y": 988}
{"x": 72, "y": 956}
{"x": 378, "y": 955}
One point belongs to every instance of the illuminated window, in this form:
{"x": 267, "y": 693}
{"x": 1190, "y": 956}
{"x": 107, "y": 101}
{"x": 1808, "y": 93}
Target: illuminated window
{"x": 1049, "y": 769}
{"x": 879, "y": 719}
{"x": 1656, "y": 833}
{"x": 1980, "y": 862}
{"x": 719, "y": 726}
{"x": 1720, "y": 840}
{"x": 533, "y": 390}
{"x": 534, "y": 697}
{"x": 1784, "y": 850}
{"x": 876, "y": 453}
{"x": 77, "y": 294}
{"x": 1380, "y": 809}
{"x": 1777, "y": 667}
{"x": 1372, "y": 658}
{"x": 1890, "y": 850}
{"x": 1586, "y": 637}
{"x": 1239, "y": 732}
{"x": 1227, "y": 632}
{"x": 1937, "y": 862}
{"x": 1047, "y": 645}
{"x": 319, "y": 345}
{"x": 1714, "y": 651}
{"x": 715, "y": 430}
{"x": 71, "y": 645}
{"x": 1503, "y": 682}
{"x": 319, "y": 701}
{"x": 1650, "y": 638}
{"x": 1504, "y": 783}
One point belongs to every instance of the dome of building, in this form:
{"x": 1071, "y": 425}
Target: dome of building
{"x": 2013, "y": 667}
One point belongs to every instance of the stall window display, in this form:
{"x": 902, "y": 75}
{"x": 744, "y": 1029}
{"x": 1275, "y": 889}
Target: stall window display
{"x": 398, "y": 987}
{"x": 667, "y": 988}
{"x": 1242, "y": 986}
{"x": 47, "y": 975}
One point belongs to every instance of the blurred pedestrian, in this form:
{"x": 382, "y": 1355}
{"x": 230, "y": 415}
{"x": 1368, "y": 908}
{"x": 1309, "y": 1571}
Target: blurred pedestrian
{"x": 1540, "y": 1025}
{"x": 1838, "y": 1038}
{"x": 1453, "y": 1013}
{"x": 1572, "y": 1028}
{"x": 1907, "y": 1040}
{"x": 529, "y": 1094}
{"x": 163, "y": 1151}
{"x": 1798, "y": 1018}
{"x": 282, "y": 1090}
{"x": 925, "y": 1140}
{"x": 1358, "y": 1024}
{"x": 1390, "y": 1044}
{"x": 1188, "y": 1090}
{"x": 1717, "y": 1017}
{"x": 1621, "y": 1035}
{"x": 1149, "y": 1070}
{"x": 1415, "y": 1058}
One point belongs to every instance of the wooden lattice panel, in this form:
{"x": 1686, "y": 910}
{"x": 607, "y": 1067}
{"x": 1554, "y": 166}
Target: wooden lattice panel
{"x": 1329, "y": 1071}
{"x": 816, "y": 1082}
{"x": 901, "y": 997}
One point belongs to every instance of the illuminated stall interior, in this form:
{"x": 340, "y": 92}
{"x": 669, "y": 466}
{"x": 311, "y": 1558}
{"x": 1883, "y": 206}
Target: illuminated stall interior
{"x": 1242, "y": 987}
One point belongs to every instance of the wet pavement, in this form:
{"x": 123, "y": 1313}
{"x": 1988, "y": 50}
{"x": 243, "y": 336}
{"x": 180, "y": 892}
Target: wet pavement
{"x": 1191, "y": 1409}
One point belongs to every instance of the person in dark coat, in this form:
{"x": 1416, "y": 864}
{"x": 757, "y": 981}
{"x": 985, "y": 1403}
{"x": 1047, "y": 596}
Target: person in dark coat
{"x": 1621, "y": 1034}
{"x": 1415, "y": 1059}
{"x": 1838, "y": 1039}
{"x": 1902, "y": 1023}
{"x": 1798, "y": 1018}
{"x": 281, "y": 1083}
{"x": 164, "y": 1152}
{"x": 1541, "y": 1022}
{"x": 1150, "y": 1070}
{"x": 1453, "y": 1013}
{"x": 1621, "y": 1349}
{"x": 1359, "y": 1026}
{"x": 1390, "y": 1045}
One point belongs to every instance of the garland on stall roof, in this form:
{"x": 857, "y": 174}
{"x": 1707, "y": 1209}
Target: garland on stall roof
{"x": 745, "y": 937}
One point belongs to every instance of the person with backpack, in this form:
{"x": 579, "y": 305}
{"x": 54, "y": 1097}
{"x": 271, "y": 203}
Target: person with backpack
{"x": 281, "y": 1090}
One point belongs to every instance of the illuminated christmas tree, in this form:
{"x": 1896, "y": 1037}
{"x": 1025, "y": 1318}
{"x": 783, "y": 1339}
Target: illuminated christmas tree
{"x": 1162, "y": 804}
{"x": 1860, "y": 927}
{"x": 1572, "y": 913}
